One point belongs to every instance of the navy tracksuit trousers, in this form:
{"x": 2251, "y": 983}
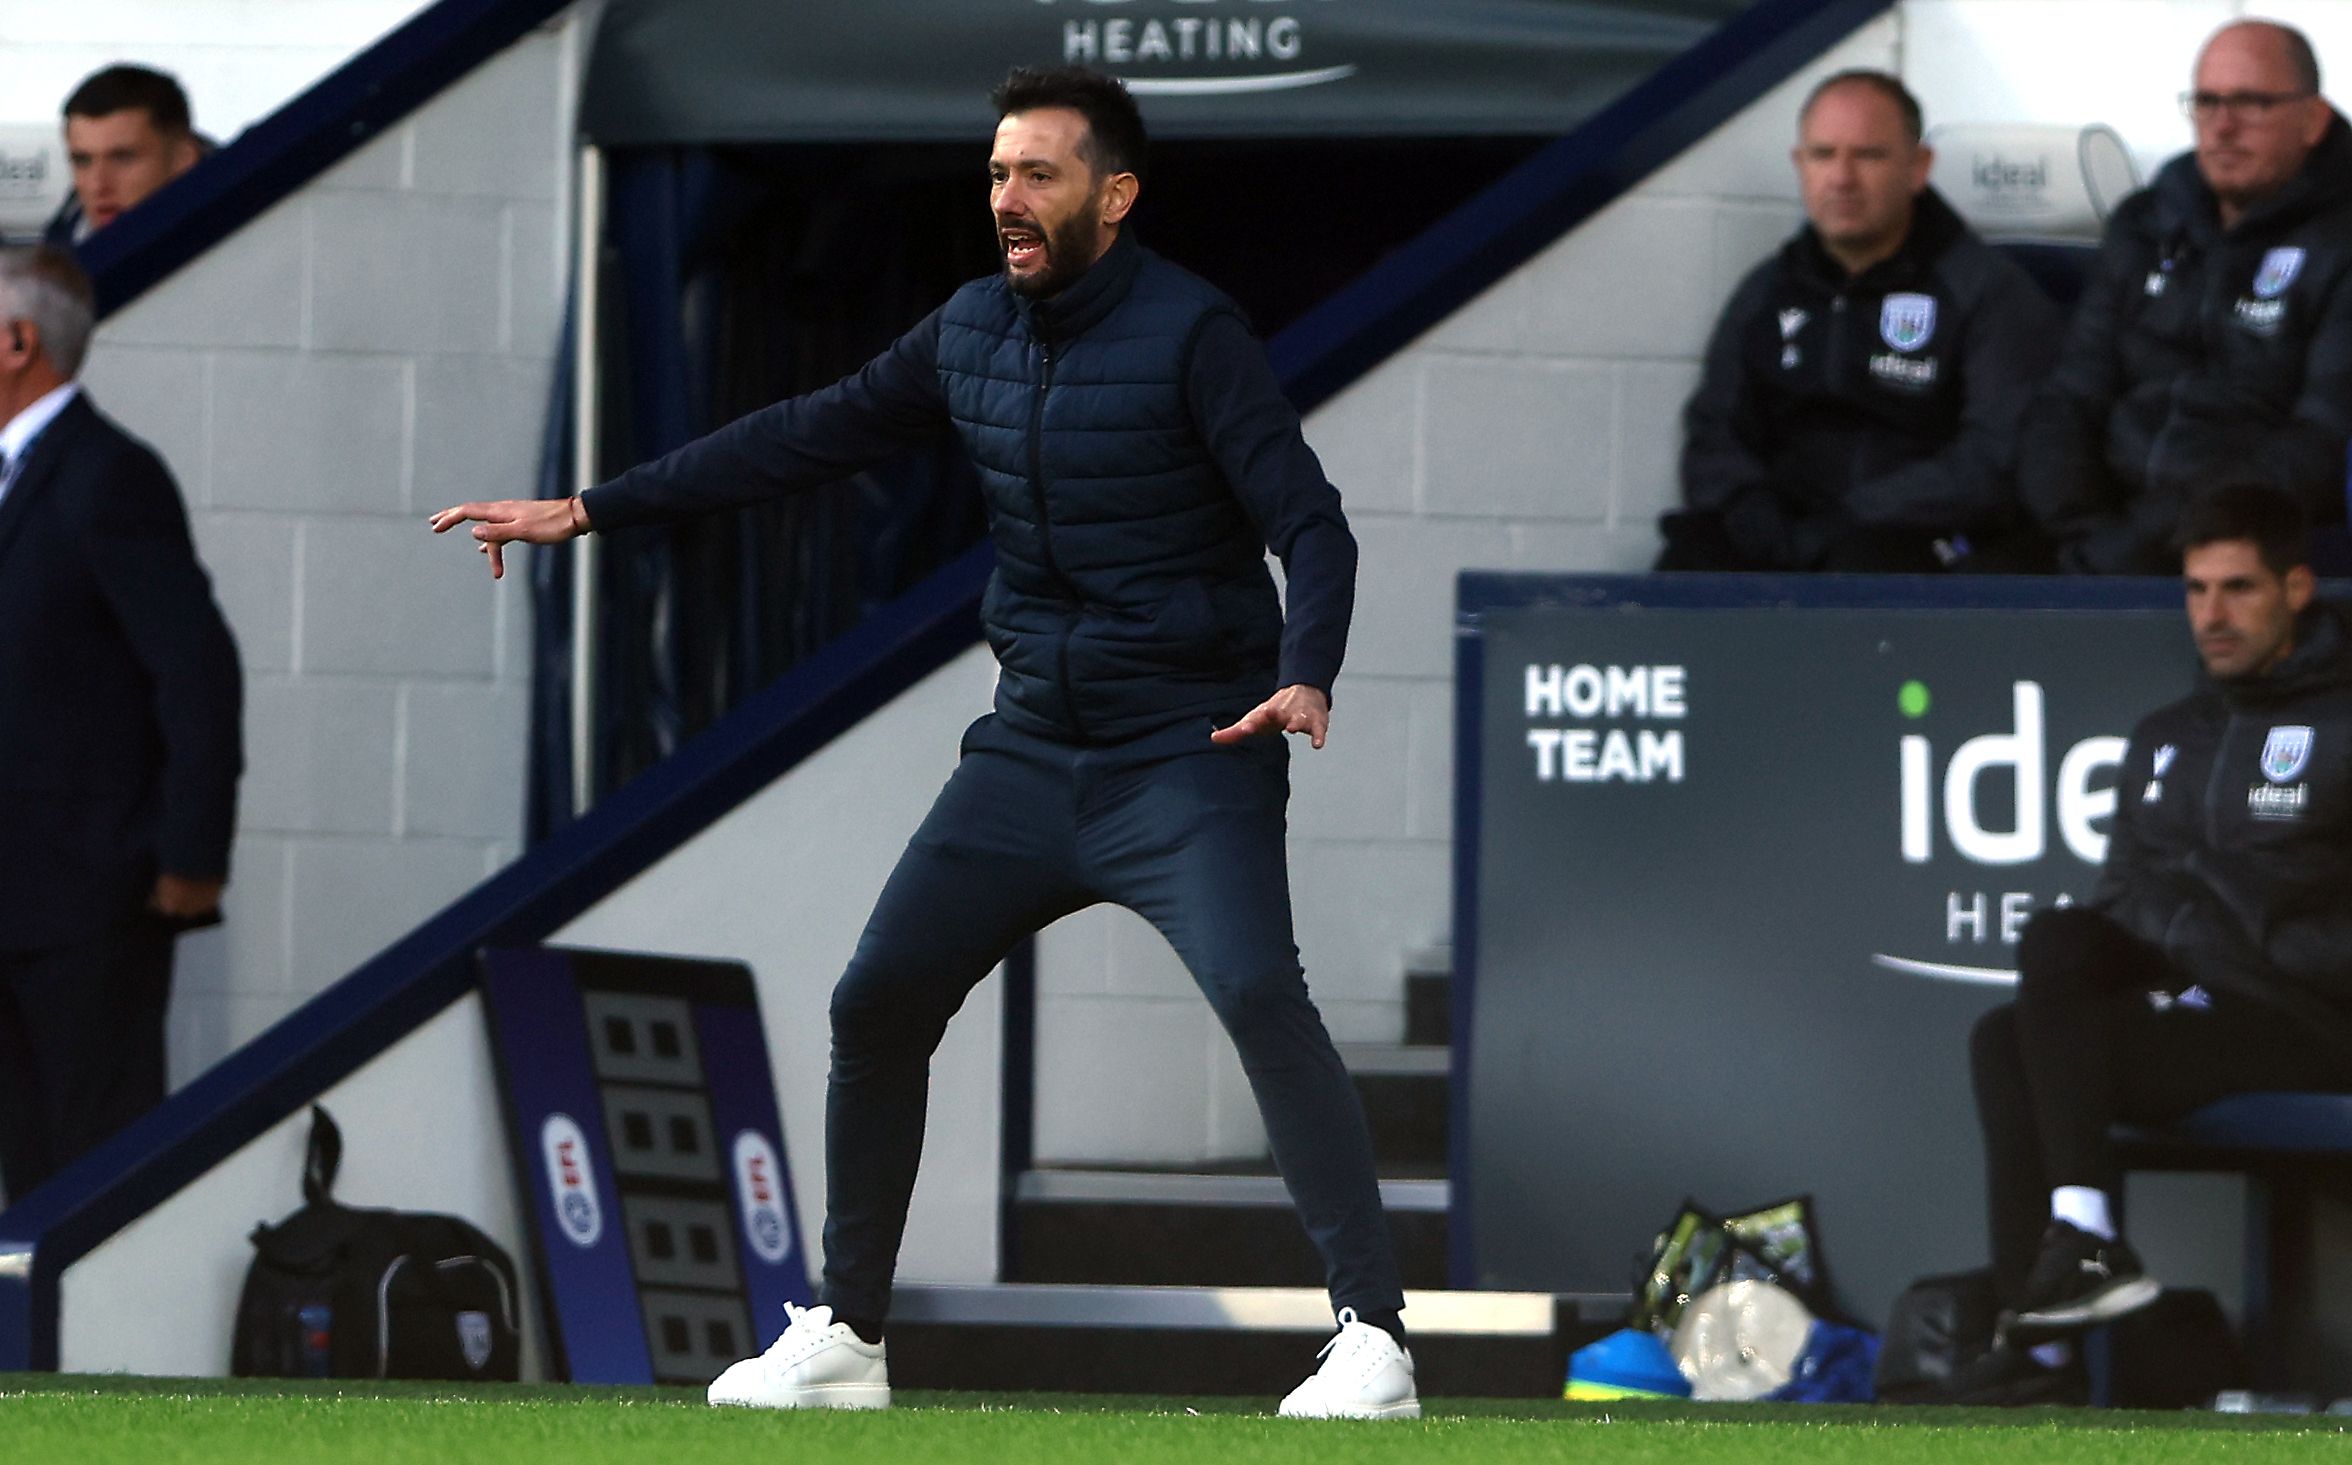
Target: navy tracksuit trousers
{"x": 1187, "y": 834}
{"x": 2083, "y": 1047}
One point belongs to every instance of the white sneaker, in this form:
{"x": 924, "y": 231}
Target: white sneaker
{"x": 1365, "y": 1375}
{"x": 817, "y": 1364}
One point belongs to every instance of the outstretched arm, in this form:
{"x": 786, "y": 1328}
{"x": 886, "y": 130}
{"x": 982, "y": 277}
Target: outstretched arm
{"x": 886, "y": 406}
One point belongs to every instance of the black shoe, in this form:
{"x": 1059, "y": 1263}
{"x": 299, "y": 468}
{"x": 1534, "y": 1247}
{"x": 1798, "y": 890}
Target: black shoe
{"x": 2008, "y": 1377}
{"x": 2078, "y": 1282}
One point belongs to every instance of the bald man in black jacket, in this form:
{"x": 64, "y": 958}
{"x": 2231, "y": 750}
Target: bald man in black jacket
{"x": 2215, "y": 339}
{"x": 1861, "y": 393}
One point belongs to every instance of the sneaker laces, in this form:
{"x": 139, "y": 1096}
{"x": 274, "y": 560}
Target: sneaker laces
{"x": 1346, "y": 1315}
{"x": 1364, "y": 1357}
{"x": 802, "y": 1331}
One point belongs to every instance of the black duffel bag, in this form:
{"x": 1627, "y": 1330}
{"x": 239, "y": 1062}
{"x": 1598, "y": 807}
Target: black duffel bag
{"x": 1938, "y": 1327}
{"x": 338, "y": 1292}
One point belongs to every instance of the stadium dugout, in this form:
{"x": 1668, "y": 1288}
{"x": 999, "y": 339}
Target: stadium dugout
{"x": 396, "y": 1039}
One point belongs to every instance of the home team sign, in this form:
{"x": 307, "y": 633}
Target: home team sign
{"x": 1739, "y": 879}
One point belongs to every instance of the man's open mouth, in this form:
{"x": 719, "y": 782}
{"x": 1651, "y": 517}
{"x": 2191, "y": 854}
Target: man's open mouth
{"x": 1023, "y": 248}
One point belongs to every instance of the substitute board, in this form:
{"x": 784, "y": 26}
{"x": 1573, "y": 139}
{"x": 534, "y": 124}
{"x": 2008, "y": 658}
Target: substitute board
{"x": 646, "y": 1138}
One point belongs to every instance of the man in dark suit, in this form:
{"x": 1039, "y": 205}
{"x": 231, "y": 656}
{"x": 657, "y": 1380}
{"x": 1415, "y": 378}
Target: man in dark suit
{"x": 119, "y": 739}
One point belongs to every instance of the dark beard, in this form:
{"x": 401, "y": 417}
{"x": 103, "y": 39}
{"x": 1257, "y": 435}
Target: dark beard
{"x": 1069, "y": 253}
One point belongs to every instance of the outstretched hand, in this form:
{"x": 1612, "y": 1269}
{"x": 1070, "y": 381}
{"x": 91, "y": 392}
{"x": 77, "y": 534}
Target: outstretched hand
{"x": 1294, "y": 709}
{"x": 507, "y": 521}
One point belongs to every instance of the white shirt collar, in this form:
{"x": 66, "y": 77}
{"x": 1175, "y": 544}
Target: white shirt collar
{"x": 26, "y": 425}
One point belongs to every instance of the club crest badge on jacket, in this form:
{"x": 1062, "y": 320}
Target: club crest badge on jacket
{"x": 1907, "y": 320}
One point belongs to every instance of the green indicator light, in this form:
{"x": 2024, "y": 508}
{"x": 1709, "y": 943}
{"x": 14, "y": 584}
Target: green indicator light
{"x": 1912, "y": 699}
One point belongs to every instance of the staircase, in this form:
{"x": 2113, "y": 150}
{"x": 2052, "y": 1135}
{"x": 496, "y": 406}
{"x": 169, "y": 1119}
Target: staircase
{"x": 1202, "y": 1282}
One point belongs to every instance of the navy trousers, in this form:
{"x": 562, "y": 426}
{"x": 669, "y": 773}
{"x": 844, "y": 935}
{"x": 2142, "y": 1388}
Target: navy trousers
{"x": 81, "y": 1045}
{"x": 1186, "y": 834}
{"x": 2083, "y": 1047}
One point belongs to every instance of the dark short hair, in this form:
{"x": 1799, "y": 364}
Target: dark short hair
{"x": 121, "y": 88}
{"x": 1114, "y": 125}
{"x": 1891, "y": 88}
{"x": 2271, "y": 520}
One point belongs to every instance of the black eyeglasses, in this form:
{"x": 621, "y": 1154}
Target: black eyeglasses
{"x": 2240, "y": 106}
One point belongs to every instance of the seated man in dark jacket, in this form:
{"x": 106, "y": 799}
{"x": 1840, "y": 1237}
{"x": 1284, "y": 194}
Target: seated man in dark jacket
{"x": 2215, "y": 340}
{"x": 1863, "y": 389}
{"x": 2214, "y": 957}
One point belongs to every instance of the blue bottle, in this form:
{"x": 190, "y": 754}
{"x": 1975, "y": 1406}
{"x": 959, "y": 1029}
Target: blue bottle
{"x": 317, "y": 1321}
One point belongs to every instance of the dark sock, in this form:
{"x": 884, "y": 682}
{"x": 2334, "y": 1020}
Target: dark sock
{"x": 868, "y": 1329}
{"x": 1388, "y": 1322}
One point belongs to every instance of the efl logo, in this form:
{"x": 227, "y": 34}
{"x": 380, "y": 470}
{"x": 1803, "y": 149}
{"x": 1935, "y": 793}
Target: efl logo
{"x": 566, "y": 1151}
{"x": 2025, "y": 753}
{"x": 759, "y": 1189}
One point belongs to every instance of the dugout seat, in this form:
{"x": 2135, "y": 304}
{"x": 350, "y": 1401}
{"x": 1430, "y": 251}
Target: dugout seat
{"x": 2295, "y": 1150}
{"x": 2021, "y": 181}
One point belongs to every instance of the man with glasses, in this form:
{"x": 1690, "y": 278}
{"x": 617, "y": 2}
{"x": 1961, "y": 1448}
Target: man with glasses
{"x": 2215, "y": 339}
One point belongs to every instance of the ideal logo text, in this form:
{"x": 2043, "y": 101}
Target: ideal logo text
{"x": 2024, "y": 753}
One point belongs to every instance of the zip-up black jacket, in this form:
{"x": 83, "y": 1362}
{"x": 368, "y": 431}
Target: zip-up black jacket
{"x": 1888, "y": 398}
{"x": 2198, "y": 354}
{"x": 1138, "y": 459}
{"x": 2231, "y": 848}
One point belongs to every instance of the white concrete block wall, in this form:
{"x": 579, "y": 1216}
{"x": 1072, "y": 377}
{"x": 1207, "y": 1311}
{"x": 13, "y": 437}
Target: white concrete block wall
{"x": 375, "y": 346}
{"x": 239, "y": 60}
{"x": 2121, "y": 62}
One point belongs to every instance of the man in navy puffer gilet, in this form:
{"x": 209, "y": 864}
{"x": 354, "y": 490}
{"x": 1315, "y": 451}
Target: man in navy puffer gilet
{"x": 1131, "y": 590}
{"x": 1138, "y": 460}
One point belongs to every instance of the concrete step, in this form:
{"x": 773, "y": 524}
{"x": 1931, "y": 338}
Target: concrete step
{"x": 1429, "y": 1002}
{"x": 1407, "y": 1093}
{"x": 1429, "y": 1008}
{"x": 1222, "y": 1340}
{"x": 1125, "y": 1227}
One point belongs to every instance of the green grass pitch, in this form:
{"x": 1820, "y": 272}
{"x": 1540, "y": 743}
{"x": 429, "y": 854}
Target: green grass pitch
{"x": 47, "y": 1419}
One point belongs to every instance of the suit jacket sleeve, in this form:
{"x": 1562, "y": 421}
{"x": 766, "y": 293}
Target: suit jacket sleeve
{"x": 890, "y": 404}
{"x": 139, "y": 552}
